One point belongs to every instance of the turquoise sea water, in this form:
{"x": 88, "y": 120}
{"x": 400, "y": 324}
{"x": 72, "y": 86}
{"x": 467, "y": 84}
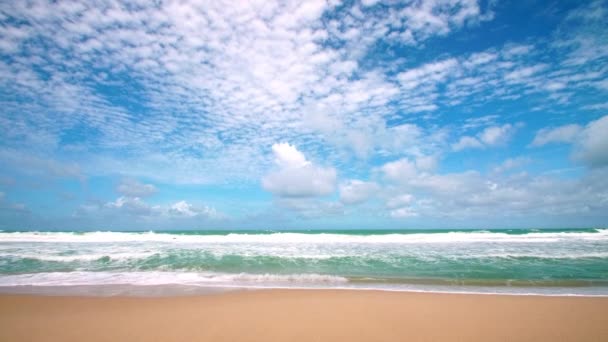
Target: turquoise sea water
{"x": 567, "y": 261}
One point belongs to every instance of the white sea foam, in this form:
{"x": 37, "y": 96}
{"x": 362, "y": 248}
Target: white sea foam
{"x": 388, "y": 248}
{"x": 317, "y": 238}
{"x": 112, "y": 258}
{"x": 146, "y": 283}
{"x": 78, "y": 257}
{"x": 164, "y": 278}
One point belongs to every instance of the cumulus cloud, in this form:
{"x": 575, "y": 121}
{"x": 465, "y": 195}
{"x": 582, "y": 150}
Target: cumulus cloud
{"x": 288, "y": 156}
{"x": 592, "y": 147}
{"x": 133, "y": 188}
{"x": 562, "y": 134}
{"x": 472, "y": 194}
{"x": 185, "y": 209}
{"x": 400, "y": 170}
{"x": 590, "y": 142}
{"x": 131, "y": 206}
{"x": 496, "y": 135}
{"x": 296, "y": 176}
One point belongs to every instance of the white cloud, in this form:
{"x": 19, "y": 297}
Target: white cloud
{"x": 562, "y": 134}
{"x": 471, "y": 194}
{"x": 592, "y": 147}
{"x": 131, "y": 206}
{"x": 466, "y": 142}
{"x": 125, "y": 209}
{"x": 185, "y": 209}
{"x": 490, "y": 136}
{"x": 524, "y": 74}
{"x": 481, "y": 121}
{"x": 185, "y": 57}
{"x": 496, "y": 135}
{"x": 517, "y": 50}
{"x": 426, "y": 163}
{"x": 590, "y": 143}
{"x": 357, "y": 191}
{"x": 219, "y": 83}
{"x": 432, "y": 72}
{"x": 296, "y": 176}
{"x": 583, "y": 34}
{"x": 400, "y": 170}
{"x": 182, "y": 208}
{"x": 288, "y": 156}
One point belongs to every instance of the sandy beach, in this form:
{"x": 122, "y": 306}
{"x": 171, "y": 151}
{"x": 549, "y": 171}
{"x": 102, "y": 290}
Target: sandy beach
{"x": 304, "y": 315}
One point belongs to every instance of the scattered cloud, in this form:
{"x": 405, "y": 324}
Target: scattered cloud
{"x": 134, "y": 208}
{"x": 356, "y": 88}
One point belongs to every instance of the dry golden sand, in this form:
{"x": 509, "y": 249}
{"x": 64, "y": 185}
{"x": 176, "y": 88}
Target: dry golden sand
{"x": 300, "y": 315}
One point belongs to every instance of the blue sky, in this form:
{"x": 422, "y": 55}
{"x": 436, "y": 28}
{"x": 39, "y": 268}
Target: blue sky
{"x": 316, "y": 114}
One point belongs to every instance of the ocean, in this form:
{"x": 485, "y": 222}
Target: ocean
{"x": 517, "y": 261}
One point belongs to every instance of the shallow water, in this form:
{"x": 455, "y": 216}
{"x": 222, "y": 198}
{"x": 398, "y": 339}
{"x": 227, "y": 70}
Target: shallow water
{"x": 530, "y": 261}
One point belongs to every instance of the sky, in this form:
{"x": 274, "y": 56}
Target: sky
{"x": 303, "y": 115}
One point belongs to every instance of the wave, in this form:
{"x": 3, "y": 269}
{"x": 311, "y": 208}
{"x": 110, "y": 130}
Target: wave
{"x": 78, "y": 257}
{"x": 164, "y": 278}
{"x": 200, "y": 258}
{"x": 317, "y": 238}
{"x": 146, "y": 283}
{"x": 305, "y": 258}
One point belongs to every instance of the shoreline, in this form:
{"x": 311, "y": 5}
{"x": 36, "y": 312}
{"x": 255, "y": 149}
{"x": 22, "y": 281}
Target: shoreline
{"x": 182, "y": 290}
{"x": 304, "y": 315}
